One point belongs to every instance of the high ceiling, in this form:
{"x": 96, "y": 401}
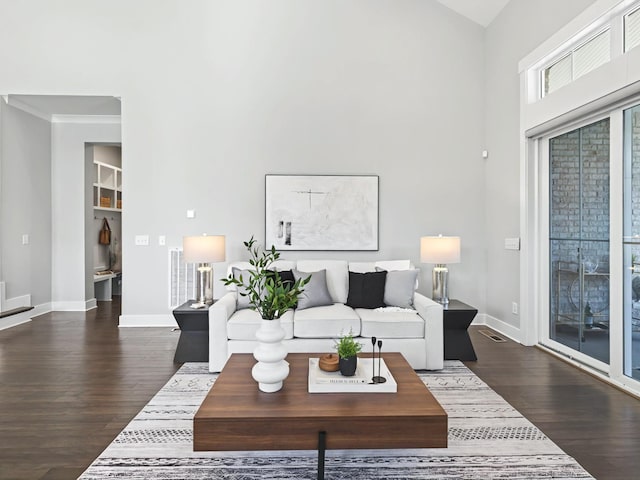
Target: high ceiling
{"x": 480, "y": 11}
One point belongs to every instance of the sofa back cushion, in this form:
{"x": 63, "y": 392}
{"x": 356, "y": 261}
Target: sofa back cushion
{"x": 337, "y": 276}
{"x": 363, "y": 267}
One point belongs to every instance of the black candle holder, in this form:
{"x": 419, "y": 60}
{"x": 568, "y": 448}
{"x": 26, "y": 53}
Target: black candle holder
{"x": 377, "y": 378}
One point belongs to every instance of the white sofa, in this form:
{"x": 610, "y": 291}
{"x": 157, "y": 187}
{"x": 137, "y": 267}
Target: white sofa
{"x": 415, "y": 332}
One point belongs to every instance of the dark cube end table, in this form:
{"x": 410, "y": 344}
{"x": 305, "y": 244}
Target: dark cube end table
{"x": 457, "y": 316}
{"x": 193, "y": 345}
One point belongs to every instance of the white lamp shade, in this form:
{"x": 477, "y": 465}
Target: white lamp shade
{"x": 440, "y": 250}
{"x": 204, "y": 249}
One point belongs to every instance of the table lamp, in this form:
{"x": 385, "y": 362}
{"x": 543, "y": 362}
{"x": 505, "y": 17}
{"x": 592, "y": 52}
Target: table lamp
{"x": 440, "y": 251}
{"x": 204, "y": 250}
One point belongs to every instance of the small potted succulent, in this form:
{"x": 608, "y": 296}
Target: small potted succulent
{"x": 348, "y": 350}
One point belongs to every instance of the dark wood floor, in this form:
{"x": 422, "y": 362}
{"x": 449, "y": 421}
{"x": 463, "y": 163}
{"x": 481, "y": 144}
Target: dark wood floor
{"x": 69, "y": 382}
{"x": 593, "y": 422}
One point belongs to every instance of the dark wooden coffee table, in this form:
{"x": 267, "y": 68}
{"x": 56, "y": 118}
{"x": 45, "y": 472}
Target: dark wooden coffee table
{"x": 235, "y": 415}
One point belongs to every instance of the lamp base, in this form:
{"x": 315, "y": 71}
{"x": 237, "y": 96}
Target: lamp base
{"x": 440, "y": 279}
{"x": 204, "y": 284}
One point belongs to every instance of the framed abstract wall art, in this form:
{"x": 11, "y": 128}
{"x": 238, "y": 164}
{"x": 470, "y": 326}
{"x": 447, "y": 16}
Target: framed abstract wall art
{"x": 321, "y": 212}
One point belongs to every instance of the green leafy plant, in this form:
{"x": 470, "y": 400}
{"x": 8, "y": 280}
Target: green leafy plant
{"x": 268, "y": 294}
{"x": 347, "y": 347}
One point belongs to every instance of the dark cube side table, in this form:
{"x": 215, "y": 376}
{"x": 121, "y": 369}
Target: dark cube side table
{"x": 193, "y": 345}
{"x": 457, "y": 317}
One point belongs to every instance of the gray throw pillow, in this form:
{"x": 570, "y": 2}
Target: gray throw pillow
{"x": 399, "y": 287}
{"x": 316, "y": 293}
{"x": 243, "y": 300}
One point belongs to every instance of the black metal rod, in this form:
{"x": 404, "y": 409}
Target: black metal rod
{"x": 322, "y": 447}
{"x": 379, "y": 352}
{"x": 373, "y": 360}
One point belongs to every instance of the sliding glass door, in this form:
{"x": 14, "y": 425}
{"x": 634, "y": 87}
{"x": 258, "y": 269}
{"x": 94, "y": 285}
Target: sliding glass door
{"x": 631, "y": 243}
{"x": 579, "y": 240}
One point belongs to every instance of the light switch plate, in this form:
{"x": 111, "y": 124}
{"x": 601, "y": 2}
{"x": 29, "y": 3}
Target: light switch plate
{"x": 512, "y": 243}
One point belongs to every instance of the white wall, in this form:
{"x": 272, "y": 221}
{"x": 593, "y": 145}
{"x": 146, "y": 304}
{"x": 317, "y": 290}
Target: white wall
{"x": 217, "y": 94}
{"x": 25, "y": 208}
{"x": 519, "y": 28}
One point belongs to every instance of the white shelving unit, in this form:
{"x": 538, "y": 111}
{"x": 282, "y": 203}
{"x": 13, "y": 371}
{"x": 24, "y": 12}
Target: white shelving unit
{"x": 107, "y": 187}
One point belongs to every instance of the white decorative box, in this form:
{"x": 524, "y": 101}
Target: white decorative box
{"x": 334, "y": 382}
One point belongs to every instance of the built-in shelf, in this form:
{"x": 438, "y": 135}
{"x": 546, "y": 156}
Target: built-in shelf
{"x": 107, "y": 187}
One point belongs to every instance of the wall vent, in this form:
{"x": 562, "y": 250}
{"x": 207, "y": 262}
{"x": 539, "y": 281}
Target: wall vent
{"x": 182, "y": 279}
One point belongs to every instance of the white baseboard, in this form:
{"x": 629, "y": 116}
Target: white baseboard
{"x": 159, "y": 320}
{"x": 24, "y": 317}
{"x": 40, "y": 309}
{"x": 71, "y": 306}
{"x": 15, "y": 320}
{"x": 91, "y": 304}
{"x": 498, "y": 325}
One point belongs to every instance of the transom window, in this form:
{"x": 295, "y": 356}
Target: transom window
{"x": 579, "y": 61}
{"x": 612, "y": 35}
{"x": 632, "y": 30}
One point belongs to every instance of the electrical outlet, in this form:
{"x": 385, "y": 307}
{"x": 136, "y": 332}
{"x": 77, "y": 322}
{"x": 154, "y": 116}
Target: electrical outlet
{"x": 514, "y": 308}
{"x": 162, "y": 240}
{"x": 25, "y": 239}
{"x": 142, "y": 240}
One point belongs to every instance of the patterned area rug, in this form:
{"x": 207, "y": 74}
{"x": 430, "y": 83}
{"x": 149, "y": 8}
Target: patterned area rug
{"x": 488, "y": 439}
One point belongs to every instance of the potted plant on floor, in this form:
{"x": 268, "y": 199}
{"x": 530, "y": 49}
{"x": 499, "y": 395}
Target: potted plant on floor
{"x": 348, "y": 350}
{"x": 271, "y": 297}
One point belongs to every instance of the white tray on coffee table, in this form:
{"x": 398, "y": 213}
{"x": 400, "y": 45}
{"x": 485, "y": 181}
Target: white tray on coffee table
{"x": 334, "y": 382}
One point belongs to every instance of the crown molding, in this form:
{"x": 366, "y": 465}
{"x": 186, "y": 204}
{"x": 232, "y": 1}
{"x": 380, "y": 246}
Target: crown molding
{"x": 93, "y": 119}
{"x": 27, "y": 108}
{"x": 62, "y": 118}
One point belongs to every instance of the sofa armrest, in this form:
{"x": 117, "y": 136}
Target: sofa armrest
{"x": 432, "y": 314}
{"x": 219, "y": 314}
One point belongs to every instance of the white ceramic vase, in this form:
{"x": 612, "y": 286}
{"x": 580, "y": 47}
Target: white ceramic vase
{"x": 272, "y": 368}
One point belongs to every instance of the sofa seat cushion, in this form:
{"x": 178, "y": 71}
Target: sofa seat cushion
{"x": 244, "y": 324}
{"x": 330, "y": 321}
{"x": 390, "y": 323}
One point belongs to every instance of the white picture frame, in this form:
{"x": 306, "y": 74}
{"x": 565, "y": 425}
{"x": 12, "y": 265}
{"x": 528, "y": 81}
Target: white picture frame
{"x": 321, "y": 212}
